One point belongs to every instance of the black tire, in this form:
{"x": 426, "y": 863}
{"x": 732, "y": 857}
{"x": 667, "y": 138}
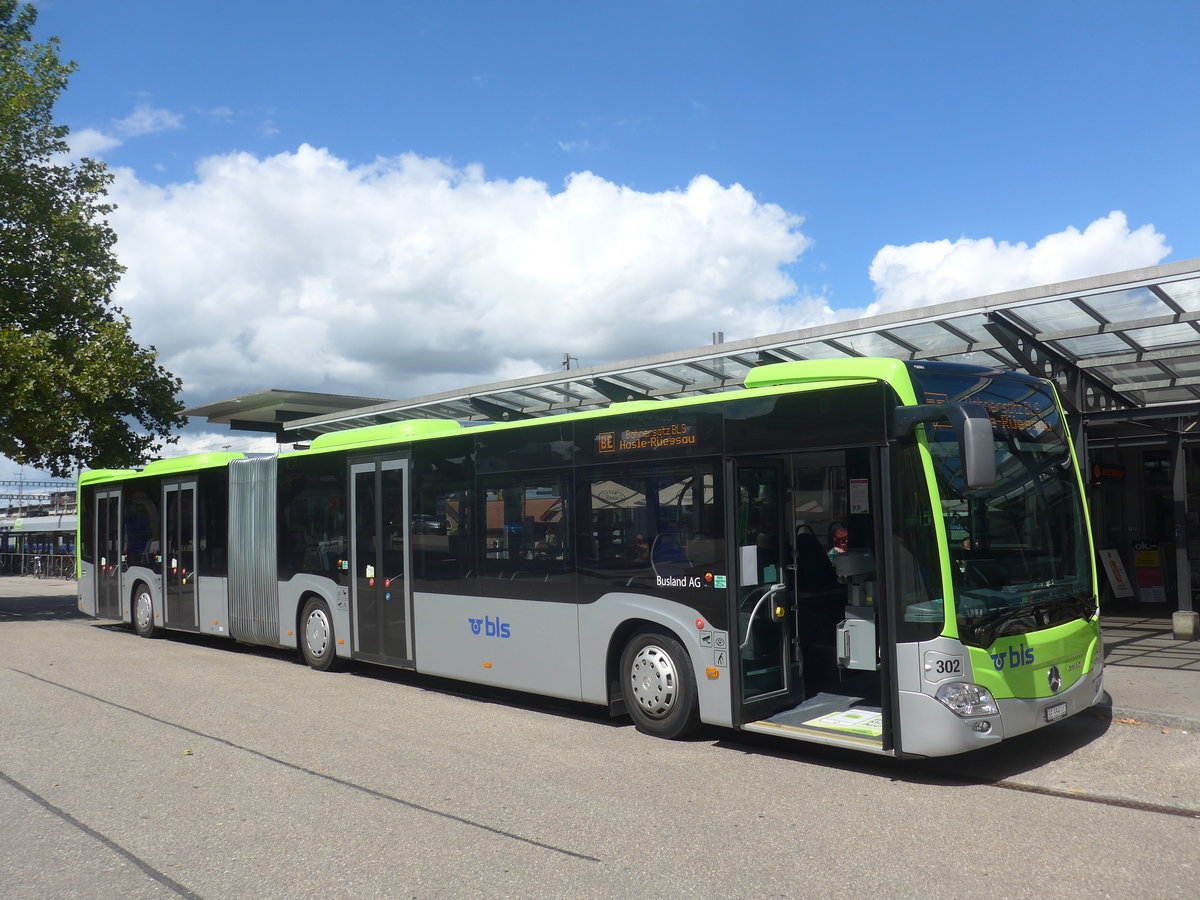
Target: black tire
{"x": 142, "y": 610}
{"x": 659, "y": 686}
{"x": 316, "y": 637}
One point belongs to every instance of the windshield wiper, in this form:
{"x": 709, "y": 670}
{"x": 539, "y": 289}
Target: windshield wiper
{"x": 1039, "y": 614}
{"x": 987, "y": 627}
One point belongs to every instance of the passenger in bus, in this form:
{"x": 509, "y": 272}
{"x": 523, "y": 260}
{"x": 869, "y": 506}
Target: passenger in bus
{"x": 839, "y": 539}
{"x": 641, "y": 549}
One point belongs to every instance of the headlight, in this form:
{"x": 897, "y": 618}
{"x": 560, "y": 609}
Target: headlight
{"x": 965, "y": 699}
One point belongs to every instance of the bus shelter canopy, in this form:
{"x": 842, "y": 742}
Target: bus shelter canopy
{"x": 1123, "y": 348}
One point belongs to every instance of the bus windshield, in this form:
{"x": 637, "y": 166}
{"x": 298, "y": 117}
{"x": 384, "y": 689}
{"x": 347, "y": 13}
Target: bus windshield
{"x": 1019, "y": 557}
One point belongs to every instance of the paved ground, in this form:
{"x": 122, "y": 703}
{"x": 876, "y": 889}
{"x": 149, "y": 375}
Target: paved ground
{"x": 192, "y": 767}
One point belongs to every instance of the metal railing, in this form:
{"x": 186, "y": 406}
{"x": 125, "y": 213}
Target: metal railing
{"x": 38, "y": 565}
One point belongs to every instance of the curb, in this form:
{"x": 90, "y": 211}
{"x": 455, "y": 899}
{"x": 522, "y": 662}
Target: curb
{"x": 1103, "y": 710}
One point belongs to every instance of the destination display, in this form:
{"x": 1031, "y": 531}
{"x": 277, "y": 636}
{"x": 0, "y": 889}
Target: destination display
{"x": 650, "y": 437}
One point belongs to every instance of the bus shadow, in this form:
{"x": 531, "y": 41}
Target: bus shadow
{"x": 1015, "y": 756}
{"x": 431, "y": 683}
{"x": 482, "y": 693}
{"x": 1012, "y": 757}
{"x": 208, "y": 641}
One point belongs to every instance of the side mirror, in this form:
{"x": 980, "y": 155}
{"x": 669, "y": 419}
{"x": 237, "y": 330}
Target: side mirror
{"x": 972, "y": 428}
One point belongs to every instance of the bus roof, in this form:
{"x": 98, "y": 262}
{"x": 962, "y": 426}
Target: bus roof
{"x": 778, "y": 378}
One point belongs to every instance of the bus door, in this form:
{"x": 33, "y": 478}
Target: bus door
{"x": 179, "y": 555}
{"x": 765, "y": 656}
{"x": 382, "y": 598}
{"x": 108, "y": 554}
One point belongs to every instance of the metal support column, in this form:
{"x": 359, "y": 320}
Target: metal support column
{"x": 1185, "y": 621}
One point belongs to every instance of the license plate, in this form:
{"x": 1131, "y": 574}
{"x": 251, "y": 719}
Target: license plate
{"x": 1056, "y": 712}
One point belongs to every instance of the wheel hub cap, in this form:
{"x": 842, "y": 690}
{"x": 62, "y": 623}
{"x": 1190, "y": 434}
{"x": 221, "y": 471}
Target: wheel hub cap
{"x": 652, "y": 678}
{"x": 316, "y": 633}
{"x": 143, "y": 610}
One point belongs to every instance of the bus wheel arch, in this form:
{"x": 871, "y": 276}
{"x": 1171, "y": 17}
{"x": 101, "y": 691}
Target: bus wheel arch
{"x": 315, "y": 633}
{"x": 141, "y": 604}
{"x": 655, "y": 680}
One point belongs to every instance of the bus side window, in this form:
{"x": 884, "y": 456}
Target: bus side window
{"x": 525, "y": 535}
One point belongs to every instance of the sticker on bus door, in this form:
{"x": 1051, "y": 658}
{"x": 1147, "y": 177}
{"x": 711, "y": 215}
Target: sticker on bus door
{"x": 859, "y": 496}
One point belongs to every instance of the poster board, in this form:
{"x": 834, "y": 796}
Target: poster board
{"x": 1147, "y": 572}
{"x": 1114, "y": 569}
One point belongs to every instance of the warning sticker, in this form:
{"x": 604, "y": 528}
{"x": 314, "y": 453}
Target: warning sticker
{"x": 856, "y": 721}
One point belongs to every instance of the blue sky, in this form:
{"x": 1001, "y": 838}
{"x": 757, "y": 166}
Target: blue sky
{"x": 749, "y": 163}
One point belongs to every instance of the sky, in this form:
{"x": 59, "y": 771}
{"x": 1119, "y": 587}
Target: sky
{"x": 386, "y": 198}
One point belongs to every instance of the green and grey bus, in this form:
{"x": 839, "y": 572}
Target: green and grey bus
{"x": 891, "y": 556}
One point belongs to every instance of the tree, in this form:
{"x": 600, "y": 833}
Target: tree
{"x": 75, "y": 388}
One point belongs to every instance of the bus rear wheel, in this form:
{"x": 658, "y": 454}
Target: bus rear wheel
{"x": 659, "y": 686}
{"x": 316, "y": 635}
{"x": 143, "y": 612}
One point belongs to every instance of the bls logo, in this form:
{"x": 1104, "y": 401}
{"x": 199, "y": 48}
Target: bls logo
{"x": 490, "y": 627}
{"x": 1014, "y": 656}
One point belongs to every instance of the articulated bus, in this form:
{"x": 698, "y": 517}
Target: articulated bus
{"x": 867, "y": 553}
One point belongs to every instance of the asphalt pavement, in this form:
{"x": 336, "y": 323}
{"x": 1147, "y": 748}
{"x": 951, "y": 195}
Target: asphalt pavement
{"x": 1149, "y": 677}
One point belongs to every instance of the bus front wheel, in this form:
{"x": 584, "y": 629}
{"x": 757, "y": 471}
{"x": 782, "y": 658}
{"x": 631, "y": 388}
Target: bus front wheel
{"x": 659, "y": 686}
{"x": 143, "y": 612}
{"x": 316, "y": 635}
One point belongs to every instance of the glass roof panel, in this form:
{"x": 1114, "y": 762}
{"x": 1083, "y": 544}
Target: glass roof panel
{"x": 1127, "y": 306}
{"x": 578, "y": 388}
{"x": 685, "y": 373}
{"x": 1185, "y": 293}
{"x": 1168, "y": 395}
{"x": 1129, "y": 373}
{"x": 508, "y": 398}
{"x": 818, "y": 350}
{"x": 871, "y": 344}
{"x": 444, "y": 410}
{"x": 545, "y": 394}
{"x": 1093, "y": 345}
{"x": 929, "y": 336}
{"x": 1184, "y": 368}
{"x": 726, "y": 366}
{"x": 1057, "y": 315}
{"x": 1166, "y": 336}
{"x": 646, "y": 378}
{"x": 971, "y": 325}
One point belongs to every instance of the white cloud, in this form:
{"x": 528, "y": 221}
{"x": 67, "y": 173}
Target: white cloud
{"x": 147, "y": 119}
{"x": 583, "y": 145}
{"x": 409, "y": 275}
{"x": 91, "y": 143}
{"x": 938, "y": 271}
{"x": 201, "y": 440}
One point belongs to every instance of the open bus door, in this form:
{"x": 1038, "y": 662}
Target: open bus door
{"x": 764, "y": 651}
{"x": 812, "y": 630}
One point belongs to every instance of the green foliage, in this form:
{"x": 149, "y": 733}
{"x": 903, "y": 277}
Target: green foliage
{"x": 75, "y": 388}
